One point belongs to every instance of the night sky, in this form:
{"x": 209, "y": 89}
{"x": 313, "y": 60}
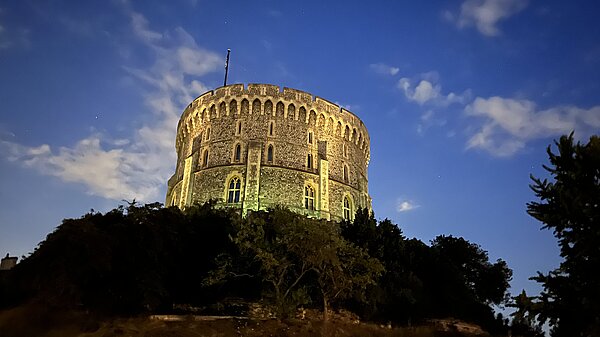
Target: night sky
{"x": 461, "y": 99}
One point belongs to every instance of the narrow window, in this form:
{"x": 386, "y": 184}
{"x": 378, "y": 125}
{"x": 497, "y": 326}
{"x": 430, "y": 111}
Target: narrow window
{"x": 309, "y": 161}
{"x": 270, "y": 154}
{"x": 346, "y": 209}
{"x": 270, "y": 128}
{"x": 208, "y": 134}
{"x": 233, "y": 192}
{"x": 238, "y": 152}
{"x": 345, "y": 148}
{"x": 310, "y": 137}
{"x": 345, "y": 173}
{"x": 238, "y": 130}
{"x": 205, "y": 158}
{"x": 309, "y": 198}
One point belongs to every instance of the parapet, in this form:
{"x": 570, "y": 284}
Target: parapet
{"x": 318, "y": 110}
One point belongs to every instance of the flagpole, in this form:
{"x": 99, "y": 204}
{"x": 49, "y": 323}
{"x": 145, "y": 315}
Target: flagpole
{"x": 226, "y": 67}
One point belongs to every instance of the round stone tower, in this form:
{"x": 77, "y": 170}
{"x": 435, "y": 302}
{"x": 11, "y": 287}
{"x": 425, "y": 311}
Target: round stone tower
{"x": 256, "y": 147}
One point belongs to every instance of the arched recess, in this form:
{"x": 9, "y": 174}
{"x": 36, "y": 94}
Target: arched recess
{"x": 311, "y": 118}
{"x": 321, "y": 121}
{"x": 245, "y": 106}
{"x": 237, "y": 153}
{"x": 270, "y": 153}
{"x": 279, "y": 110}
{"x": 256, "y": 106}
{"x": 233, "y": 109}
{"x": 222, "y": 111}
{"x": 291, "y": 111}
{"x": 268, "y": 107}
{"x": 330, "y": 125}
{"x": 301, "y": 114}
{"x": 212, "y": 112}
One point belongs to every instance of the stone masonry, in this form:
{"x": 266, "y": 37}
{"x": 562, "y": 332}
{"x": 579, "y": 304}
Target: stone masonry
{"x": 256, "y": 147}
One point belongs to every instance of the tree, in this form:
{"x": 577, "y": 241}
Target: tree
{"x": 289, "y": 251}
{"x": 342, "y": 268}
{"x": 569, "y": 205}
{"x": 278, "y": 242}
{"x": 488, "y": 282}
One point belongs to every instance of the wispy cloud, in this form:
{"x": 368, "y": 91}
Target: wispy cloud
{"x": 428, "y": 91}
{"x": 137, "y": 167}
{"x": 406, "y": 205}
{"x": 384, "y": 69}
{"x": 507, "y": 124}
{"x": 485, "y": 15}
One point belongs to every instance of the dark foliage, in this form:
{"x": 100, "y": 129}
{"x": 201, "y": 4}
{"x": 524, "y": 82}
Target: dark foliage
{"x": 146, "y": 258}
{"x": 129, "y": 260}
{"x": 452, "y": 278}
{"x": 569, "y": 205}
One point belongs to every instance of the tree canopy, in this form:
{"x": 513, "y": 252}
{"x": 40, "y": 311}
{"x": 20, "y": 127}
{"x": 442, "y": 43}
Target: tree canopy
{"x": 147, "y": 258}
{"x": 569, "y": 205}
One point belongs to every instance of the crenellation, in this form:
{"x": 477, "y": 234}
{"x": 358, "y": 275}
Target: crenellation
{"x": 276, "y": 122}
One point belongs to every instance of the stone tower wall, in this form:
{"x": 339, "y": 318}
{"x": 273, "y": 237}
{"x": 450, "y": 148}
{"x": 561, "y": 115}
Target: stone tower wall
{"x": 219, "y": 120}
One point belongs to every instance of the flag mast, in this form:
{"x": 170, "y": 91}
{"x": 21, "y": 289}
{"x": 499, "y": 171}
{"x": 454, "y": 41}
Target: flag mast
{"x": 226, "y": 66}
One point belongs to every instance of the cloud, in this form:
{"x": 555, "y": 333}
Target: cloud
{"x": 486, "y": 14}
{"x": 509, "y": 123}
{"x": 428, "y": 91}
{"x": 384, "y": 69}
{"x": 406, "y": 205}
{"x": 139, "y": 166}
{"x": 139, "y": 24}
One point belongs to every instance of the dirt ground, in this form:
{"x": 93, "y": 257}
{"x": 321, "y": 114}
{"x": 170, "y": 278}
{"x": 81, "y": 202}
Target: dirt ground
{"x": 47, "y": 323}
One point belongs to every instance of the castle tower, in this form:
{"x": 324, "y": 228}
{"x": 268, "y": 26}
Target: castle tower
{"x": 256, "y": 147}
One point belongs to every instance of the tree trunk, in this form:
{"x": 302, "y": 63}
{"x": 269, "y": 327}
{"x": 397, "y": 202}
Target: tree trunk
{"x": 325, "y": 309}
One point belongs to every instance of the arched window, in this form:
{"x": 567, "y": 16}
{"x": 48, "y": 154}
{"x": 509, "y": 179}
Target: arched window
{"x": 309, "y": 198}
{"x": 345, "y": 173}
{"x": 347, "y": 209}
{"x": 270, "y": 154}
{"x": 205, "y": 158}
{"x": 238, "y": 129}
{"x": 238, "y": 153}
{"x": 208, "y": 134}
{"x": 270, "y": 128}
{"x": 309, "y": 161}
{"x": 233, "y": 191}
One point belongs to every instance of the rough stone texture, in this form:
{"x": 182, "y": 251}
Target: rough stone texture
{"x": 219, "y": 120}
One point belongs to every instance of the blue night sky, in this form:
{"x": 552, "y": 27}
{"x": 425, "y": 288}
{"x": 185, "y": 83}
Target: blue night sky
{"x": 460, "y": 98}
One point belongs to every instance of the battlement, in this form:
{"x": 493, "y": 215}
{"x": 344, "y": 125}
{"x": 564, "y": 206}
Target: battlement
{"x": 318, "y": 111}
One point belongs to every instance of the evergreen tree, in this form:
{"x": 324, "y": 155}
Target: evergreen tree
{"x": 569, "y": 205}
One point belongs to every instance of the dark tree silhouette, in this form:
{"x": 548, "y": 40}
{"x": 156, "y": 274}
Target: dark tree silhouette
{"x": 569, "y": 205}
